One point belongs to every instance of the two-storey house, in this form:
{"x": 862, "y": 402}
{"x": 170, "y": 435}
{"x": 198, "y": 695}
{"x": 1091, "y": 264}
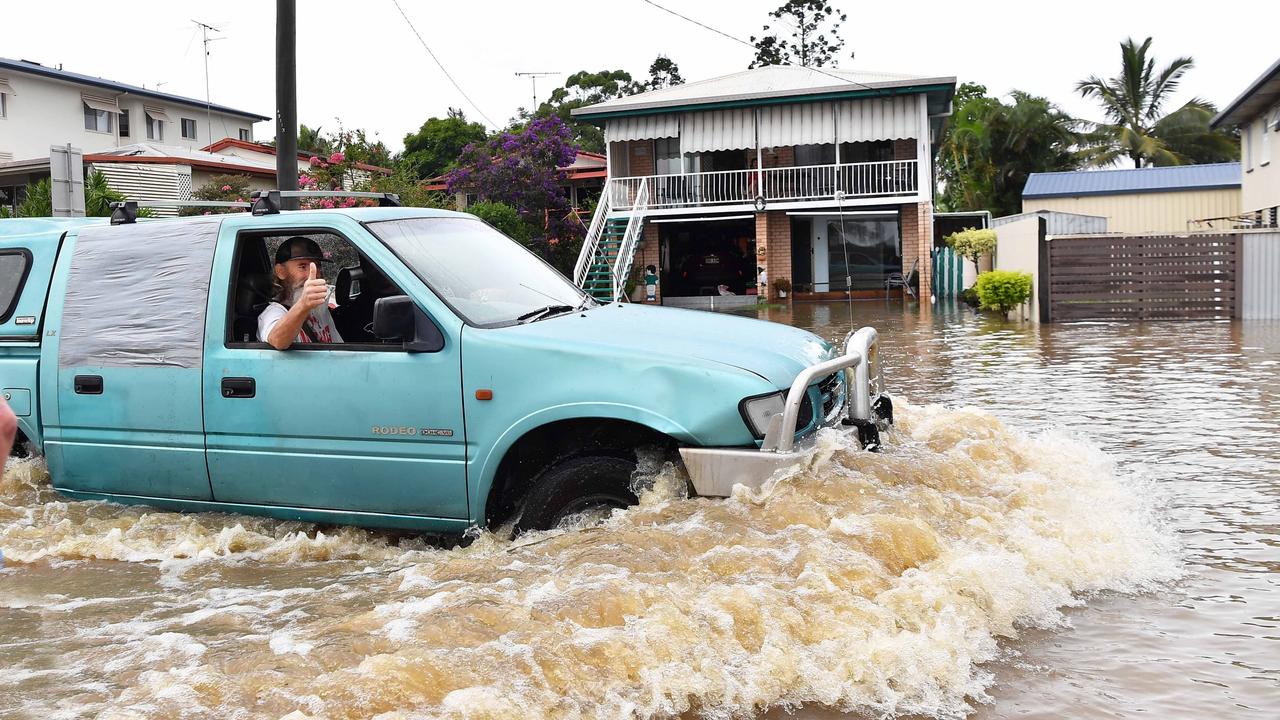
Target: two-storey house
{"x": 42, "y": 106}
{"x": 1257, "y": 114}
{"x": 822, "y": 177}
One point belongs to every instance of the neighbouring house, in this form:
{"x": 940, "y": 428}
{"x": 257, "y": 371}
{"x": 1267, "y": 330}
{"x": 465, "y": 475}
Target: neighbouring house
{"x": 1175, "y": 198}
{"x": 820, "y": 177}
{"x": 1257, "y": 114}
{"x": 42, "y": 106}
{"x": 164, "y": 172}
{"x": 583, "y": 181}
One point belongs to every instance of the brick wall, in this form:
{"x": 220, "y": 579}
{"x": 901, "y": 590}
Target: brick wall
{"x": 650, "y": 254}
{"x": 640, "y": 156}
{"x": 778, "y": 157}
{"x": 773, "y": 246}
{"x": 917, "y": 241}
{"x": 904, "y": 149}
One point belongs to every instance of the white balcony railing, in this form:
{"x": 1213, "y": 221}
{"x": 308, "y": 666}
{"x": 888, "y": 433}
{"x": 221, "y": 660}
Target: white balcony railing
{"x": 780, "y": 184}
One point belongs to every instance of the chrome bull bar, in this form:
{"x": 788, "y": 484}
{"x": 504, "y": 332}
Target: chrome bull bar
{"x": 714, "y": 471}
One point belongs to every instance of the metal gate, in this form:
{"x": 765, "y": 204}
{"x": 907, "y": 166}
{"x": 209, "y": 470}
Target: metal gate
{"x": 948, "y": 273}
{"x": 1141, "y": 277}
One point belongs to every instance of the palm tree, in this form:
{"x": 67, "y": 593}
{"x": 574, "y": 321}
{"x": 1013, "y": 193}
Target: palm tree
{"x": 990, "y": 147}
{"x": 1137, "y": 127}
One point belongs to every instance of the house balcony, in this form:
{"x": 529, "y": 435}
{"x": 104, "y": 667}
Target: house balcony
{"x": 775, "y": 188}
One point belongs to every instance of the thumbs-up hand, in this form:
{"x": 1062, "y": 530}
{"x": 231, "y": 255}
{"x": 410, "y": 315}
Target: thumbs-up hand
{"x": 315, "y": 291}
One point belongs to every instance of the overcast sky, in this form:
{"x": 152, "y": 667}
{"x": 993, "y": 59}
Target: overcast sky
{"x": 360, "y": 61}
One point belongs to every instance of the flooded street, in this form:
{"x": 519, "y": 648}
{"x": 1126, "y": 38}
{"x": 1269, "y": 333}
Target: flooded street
{"x": 1069, "y": 521}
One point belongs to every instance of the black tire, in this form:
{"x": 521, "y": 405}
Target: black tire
{"x": 575, "y": 486}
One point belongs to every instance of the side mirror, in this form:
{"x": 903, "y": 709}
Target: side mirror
{"x": 398, "y": 318}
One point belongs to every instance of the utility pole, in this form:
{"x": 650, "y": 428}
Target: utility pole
{"x": 287, "y": 100}
{"x": 533, "y": 78}
{"x": 208, "y": 109}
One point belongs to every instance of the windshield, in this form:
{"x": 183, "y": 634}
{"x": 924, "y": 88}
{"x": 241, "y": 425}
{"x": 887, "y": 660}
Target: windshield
{"x": 486, "y": 277}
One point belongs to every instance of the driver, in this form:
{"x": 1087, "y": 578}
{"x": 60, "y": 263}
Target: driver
{"x": 300, "y": 312}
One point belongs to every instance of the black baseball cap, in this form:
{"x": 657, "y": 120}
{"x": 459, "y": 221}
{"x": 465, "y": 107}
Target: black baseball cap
{"x": 299, "y": 248}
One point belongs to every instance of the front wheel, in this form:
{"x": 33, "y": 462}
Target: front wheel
{"x": 576, "y": 487}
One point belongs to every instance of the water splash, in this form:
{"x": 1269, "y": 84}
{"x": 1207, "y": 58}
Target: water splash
{"x": 864, "y": 582}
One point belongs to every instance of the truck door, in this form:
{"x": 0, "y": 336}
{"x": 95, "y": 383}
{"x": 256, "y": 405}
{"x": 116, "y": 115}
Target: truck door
{"x": 123, "y": 341}
{"x": 360, "y": 426}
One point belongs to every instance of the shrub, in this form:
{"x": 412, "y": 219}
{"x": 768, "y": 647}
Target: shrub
{"x": 505, "y": 218}
{"x": 220, "y": 188}
{"x": 969, "y": 296}
{"x": 1003, "y": 290}
{"x": 972, "y": 243}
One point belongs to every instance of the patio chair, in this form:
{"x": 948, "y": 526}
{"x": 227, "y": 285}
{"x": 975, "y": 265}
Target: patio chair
{"x": 896, "y": 279}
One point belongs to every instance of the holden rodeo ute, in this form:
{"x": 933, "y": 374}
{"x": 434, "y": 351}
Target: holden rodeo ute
{"x": 474, "y": 385}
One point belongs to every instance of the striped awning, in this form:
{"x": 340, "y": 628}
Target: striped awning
{"x": 718, "y": 130}
{"x": 645, "y": 127}
{"x": 101, "y": 103}
{"x": 816, "y": 123}
{"x": 5, "y": 87}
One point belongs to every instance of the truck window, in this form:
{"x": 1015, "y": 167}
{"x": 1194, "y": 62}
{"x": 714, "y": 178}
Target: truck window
{"x": 355, "y": 284}
{"x": 14, "y": 265}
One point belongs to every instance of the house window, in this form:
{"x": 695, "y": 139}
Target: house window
{"x": 666, "y": 156}
{"x": 155, "y": 128}
{"x": 96, "y": 120}
{"x": 188, "y": 128}
{"x": 864, "y": 251}
{"x": 4, "y": 109}
{"x": 1246, "y": 147}
{"x": 124, "y": 123}
{"x": 824, "y": 154}
{"x": 244, "y": 135}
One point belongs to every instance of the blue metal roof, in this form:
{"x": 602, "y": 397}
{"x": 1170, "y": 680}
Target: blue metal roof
{"x": 1135, "y": 180}
{"x": 37, "y": 69}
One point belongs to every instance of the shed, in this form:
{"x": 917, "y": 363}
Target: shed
{"x": 1152, "y": 199}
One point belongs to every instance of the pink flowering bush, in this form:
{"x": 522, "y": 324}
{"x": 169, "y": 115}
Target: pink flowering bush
{"x": 222, "y": 188}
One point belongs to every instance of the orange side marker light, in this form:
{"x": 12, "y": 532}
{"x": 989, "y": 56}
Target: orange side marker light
{"x": 484, "y": 394}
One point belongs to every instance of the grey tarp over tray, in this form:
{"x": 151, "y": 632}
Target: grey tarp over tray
{"x": 136, "y": 295}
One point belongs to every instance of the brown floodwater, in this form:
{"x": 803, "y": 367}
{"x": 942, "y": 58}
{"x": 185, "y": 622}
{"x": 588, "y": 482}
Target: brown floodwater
{"x": 1068, "y": 521}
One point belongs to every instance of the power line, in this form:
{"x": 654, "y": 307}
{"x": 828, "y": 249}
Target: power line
{"x": 753, "y": 47}
{"x": 701, "y": 25}
{"x": 441, "y": 65}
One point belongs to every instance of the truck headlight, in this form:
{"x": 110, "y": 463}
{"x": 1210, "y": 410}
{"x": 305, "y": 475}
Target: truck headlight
{"x": 759, "y": 410}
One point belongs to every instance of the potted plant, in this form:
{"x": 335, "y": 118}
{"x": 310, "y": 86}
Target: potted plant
{"x": 781, "y": 286}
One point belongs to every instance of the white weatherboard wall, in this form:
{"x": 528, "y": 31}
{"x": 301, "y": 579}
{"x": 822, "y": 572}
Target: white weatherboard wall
{"x": 1259, "y": 275}
{"x": 1018, "y": 249}
{"x": 43, "y": 112}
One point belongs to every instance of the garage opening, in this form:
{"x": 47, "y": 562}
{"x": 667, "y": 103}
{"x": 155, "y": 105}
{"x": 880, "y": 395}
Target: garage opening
{"x": 708, "y": 258}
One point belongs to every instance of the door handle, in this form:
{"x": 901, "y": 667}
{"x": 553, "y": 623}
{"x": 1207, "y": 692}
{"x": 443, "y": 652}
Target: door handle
{"x": 238, "y": 387}
{"x": 88, "y": 384}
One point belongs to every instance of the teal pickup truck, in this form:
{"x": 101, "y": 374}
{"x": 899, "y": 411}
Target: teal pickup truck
{"x": 475, "y": 386}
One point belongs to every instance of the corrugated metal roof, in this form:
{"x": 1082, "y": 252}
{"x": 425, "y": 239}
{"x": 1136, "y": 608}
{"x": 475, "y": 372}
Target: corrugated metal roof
{"x": 772, "y": 81}
{"x": 1137, "y": 180}
{"x": 37, "y": 69}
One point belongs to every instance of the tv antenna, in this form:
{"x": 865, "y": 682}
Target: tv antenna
{"x": 533, "y": 79}
{"x": 208, "y": 103}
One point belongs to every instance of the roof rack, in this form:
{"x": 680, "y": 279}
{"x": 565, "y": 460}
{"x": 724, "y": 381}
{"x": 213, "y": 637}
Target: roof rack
{"x": 267, "y": 202}
{"x": 126, "y": 212}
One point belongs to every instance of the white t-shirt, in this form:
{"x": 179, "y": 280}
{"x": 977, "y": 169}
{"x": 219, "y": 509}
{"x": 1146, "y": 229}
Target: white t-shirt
{"x": 319, "y": 324}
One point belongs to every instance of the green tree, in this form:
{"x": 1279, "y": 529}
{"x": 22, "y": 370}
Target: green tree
{"x": 311, "y": 140}
{"x": 663, "y": 72}
{"x": 98, "y": 196}
{"x": 587, "y": 87}
{"x": 811, "y": 39}
{"x": 1136, "y": 126}
{"x": 989, "y": 147}
{"x": 434, "y": 148}
{"x": 973, "y": 243}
